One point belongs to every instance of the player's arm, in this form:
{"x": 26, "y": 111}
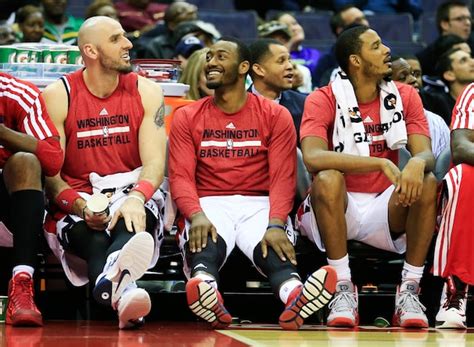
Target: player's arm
{"x": 38, "y": 136}
{"x": 318, "y": 158}
{"x": 65, "y": 197}
{"x": 152, "y": 149}
{"x": 282, "y": 171}
{"x": 462, "y": 146}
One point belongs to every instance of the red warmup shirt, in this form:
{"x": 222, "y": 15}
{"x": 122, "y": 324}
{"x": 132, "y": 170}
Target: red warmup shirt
{"x": 101, "y": 133}
{"x": 251, "y": 152}
{"x": 318, "y": 120}
{"x": 22, "y": 109}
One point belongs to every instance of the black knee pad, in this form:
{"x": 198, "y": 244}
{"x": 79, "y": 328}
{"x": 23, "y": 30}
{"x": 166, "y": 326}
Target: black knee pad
{"x": 274, "y": 268}
{"x": 209, "y": 260}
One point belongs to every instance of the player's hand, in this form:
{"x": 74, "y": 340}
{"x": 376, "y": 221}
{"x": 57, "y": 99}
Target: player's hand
{"x": 133, "y": 212}
{"x": 200, "y": 228}
{"x": 411, "y": 182}
{"x": 96, "y": 221}
{"x": 392, "y": 172}
{"x": 277, "y": 239}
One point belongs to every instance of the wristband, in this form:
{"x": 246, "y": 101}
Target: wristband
{"x": 276, "y": 226}
{"x": 136, "y": 197}
{"x": 146, "y": 188}
{"x": 65, "y": 200}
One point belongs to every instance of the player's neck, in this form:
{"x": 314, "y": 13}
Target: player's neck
{"x": 365, "y": 89}
{"x": 101, "y": 85}
{"x": 266, "y": 91}
{"x": 230, "y": 99}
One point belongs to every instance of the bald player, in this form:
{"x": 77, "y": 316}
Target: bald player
{"x": 112, "y": 131}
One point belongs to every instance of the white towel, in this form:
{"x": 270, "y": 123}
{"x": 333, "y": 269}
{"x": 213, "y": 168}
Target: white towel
{"x": 349, "y": 133}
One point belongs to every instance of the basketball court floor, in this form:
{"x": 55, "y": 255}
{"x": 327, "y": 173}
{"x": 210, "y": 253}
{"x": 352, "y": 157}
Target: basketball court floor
{"x": 98, "y": 333}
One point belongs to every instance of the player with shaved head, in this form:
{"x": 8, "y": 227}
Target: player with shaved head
{"x": 112, "y": 131}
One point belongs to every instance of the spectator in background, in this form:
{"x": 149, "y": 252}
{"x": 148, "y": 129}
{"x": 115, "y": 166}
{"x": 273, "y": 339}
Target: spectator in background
{"x": 193, "y": 75}
{"x": 102, "y": 8}
{"x": 59, "y": 27}
{"x": 141, "y": 15}
{"x": 7, "y": 35}
{"x": 187, "y": 46}
{"x": 272, "y": 75}
{"x": 303, "y": 55}
{"x": 348, "y": 15}
{"x": 384, "y": 6}
{"x": 456, "y": 69}
{"x": 452, "y": 17}
{"x": 31, "y": 23}
{"x": 279, "y": 31}
{"x": 439, "y": 131}
{"x": 162, "y": 34}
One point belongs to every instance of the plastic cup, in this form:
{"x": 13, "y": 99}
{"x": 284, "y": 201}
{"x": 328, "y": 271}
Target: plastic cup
{"x": 3, "y": 308}
{"x": 74, "y": 56}
{"x": 23, "y": 55}
{"x": 98, "y": 203}
{"x": 7, "y": 54}
{"x": 46, "y": 53}
{"x": 36, "y": 56}
{"x": 58, "y": 55}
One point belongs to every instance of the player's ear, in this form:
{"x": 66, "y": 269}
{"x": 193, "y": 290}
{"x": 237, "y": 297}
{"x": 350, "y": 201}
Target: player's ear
{"x": 244, "y": 67}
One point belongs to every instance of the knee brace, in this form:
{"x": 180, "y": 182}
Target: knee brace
{"x": 209, "y": 260}
{"x": 274, "y": 268}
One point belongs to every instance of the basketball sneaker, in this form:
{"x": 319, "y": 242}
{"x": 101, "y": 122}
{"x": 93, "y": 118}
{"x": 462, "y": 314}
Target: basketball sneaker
{"x": 343, "y": 308}
{"x": 133, "y": 305}
{"x": 206, "y": 302}
{"x": 21, "y": 310}
{"x": 128, "y": 265}
{"x": 409, "y": 311}
{"x": 308, "y": 298}
{"x": 452, "y": 311}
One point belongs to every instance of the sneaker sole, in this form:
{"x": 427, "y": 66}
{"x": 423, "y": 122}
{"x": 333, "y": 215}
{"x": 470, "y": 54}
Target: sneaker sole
{"x": 414, "y": 323}
{"x": 25, "y": 320}
{"x": 343, "y": 322}
{"x": 203, "y": 301}
{"x": 450, "y": 325}
{"x": 133, "y": 306}
{"x": 317, "y": 292}
{"x": 132, "y": 262}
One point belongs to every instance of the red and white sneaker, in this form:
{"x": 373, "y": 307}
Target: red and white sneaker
{"x": 409, "y": 311}
{"x": 21, "y": 310}
{"x": 452, "y": 310}
{"x": 206, "y": 302}
{"x": 305, "y": 300}
{"x": 343, "y": 308}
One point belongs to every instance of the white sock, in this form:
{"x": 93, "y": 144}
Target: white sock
{"x": 23, "y": 268}
{"x": 342, "y": 268}
{"x": 287, "y": 287}
{"x": 208, "y": 278}
{"x": 411, "y": 272}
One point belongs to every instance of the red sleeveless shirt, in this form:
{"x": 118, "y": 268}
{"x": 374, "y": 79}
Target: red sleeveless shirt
{"x": 101, "y": 133}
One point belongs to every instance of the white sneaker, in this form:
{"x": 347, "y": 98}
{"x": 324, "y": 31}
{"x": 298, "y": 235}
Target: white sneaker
{"x": 452, "y": 310}
{"x": 129, "y": 265}
{"x": 344, "y": 306}
{"x": 134, "y": 304}
{"x": 409, "y": 312}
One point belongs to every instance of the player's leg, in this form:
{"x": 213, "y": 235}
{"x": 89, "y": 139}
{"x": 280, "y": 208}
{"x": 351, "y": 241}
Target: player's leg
{"x": 22, "y": 190}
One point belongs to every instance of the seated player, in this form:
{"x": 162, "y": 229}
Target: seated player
{"x": 350, "y": 136}
{"x": 232, "y": 175}
{"x": 29, "y": 149}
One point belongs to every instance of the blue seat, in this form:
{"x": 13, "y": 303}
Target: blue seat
{"x": 213, "y": 4}
{"x": 316, "y": 26}
{"x": 239, "y": 24}
{"x": 430, "y": 6}
{"x": 428, "y": 31}
{"x": 393, "y": 27}
{"x": 403, "y": 47}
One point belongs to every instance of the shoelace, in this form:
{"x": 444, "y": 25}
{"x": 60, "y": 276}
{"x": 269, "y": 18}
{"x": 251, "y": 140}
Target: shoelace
{"x": 343, "y": 301}
{"x": 22, "y": 294}
{"x": 410, "y": 302}
{"x": 455, "y": 300}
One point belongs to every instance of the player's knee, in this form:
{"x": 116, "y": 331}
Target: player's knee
{"x": 328, "y": 186}
{"x": 21, "y": 162}
{"x": 430, "y": 189}
{"x": 22, "y": 171}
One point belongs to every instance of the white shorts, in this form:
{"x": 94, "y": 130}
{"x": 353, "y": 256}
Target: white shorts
{"x": 366, "y": 218}
{"x": 74, "y": 267}
{"x": 239, "y": 220}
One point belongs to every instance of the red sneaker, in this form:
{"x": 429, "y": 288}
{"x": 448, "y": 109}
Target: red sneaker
{"x": 22, "y": 310}
{"x": 308, "y": 298}
{"x": 206, "y": 302}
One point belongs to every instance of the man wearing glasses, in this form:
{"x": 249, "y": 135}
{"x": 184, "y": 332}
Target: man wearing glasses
{"x": 452, "y": 17}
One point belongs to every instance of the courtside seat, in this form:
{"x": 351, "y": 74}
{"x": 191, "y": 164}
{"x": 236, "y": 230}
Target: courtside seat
{"x": 239, "y": 24}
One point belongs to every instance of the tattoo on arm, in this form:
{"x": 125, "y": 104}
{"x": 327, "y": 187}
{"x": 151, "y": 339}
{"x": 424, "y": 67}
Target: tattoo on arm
{"x": 160, "y": 116}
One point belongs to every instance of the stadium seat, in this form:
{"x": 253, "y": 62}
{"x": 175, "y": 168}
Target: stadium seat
{"x": 428, "y": 30}
{"x": 213, "y": 4}
{"x": 393, "y": 27}
{"x": 430, "y": 6}
{"x": 316, "y": 26}
{"x": 240, "y": 24}
{"x": 403, "y": 47}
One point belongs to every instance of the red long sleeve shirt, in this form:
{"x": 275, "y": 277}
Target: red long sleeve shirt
{"x": 251, "y": 152}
